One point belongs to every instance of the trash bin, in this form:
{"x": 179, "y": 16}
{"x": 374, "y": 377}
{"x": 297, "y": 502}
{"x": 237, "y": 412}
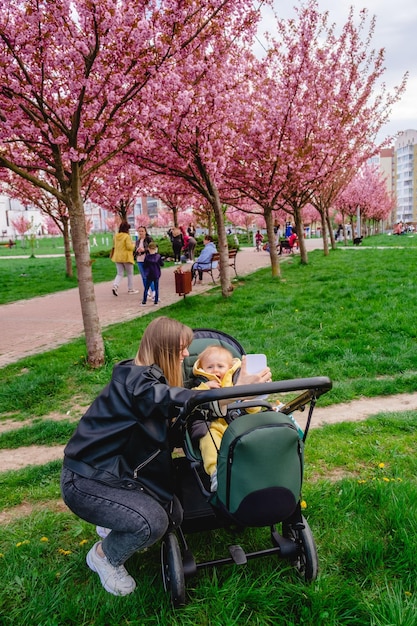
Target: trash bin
{"x": 183, "y": 281}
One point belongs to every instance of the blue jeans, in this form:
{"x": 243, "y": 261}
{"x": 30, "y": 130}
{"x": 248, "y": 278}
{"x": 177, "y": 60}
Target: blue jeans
{"x": 136, "y": 519}
{"x": 143, "y": 274}
{"x": 148, "y": 284}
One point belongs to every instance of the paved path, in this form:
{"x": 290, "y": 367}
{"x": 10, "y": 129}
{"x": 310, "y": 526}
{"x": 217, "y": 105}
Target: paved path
{"x": 40, "y": 324}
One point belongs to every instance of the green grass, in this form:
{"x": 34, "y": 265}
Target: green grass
{"x": 365, "y": 528}
{"x": 351, "y": 316}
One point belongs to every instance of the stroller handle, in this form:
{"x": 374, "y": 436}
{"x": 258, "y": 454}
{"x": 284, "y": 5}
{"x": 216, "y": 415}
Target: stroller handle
{"x": 318, "y": 386}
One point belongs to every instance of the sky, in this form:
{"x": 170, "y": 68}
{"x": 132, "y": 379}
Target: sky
{"x": 396, "y": 31}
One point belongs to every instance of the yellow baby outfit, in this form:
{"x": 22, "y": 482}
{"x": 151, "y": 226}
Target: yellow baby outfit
{"x": 210, "y": 442}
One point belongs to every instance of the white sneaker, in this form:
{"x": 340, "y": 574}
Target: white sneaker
{"x": 102, "y": 531}
{"x": 115, "y": 580}
{"x": 131, "y": 291}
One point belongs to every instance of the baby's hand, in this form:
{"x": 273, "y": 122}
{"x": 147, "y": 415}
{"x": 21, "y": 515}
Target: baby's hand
{"x": 213, "y": 384}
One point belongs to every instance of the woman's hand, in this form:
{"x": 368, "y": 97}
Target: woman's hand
{"x": 264, "y": 376}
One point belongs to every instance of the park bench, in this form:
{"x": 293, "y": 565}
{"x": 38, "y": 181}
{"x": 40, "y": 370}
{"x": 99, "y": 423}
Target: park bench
{"x": 216, "y": 259}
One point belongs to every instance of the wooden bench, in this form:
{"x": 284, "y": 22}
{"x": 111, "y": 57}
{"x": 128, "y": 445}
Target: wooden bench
{"x": 216, "y": 258}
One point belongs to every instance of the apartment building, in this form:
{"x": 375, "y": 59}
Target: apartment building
{"x": 405, "y": 158}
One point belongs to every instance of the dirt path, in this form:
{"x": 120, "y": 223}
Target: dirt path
{"x": 349, "y": 412}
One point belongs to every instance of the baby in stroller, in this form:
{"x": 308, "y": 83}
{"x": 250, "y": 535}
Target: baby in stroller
{"x": 215, "y": 367}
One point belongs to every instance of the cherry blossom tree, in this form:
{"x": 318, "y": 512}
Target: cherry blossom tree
{"x": 366, "y": 196}
{"x": 51, "y": 226}
{"x": 116, "y": 187}
{"x": 191, "y": 135}
{"x": 74, "y": 75}
{"x": 21, "y": 225}
{"x": 317, "y": 105}
{"x": 113, "y": 223}
{"x": 49, "y": 205}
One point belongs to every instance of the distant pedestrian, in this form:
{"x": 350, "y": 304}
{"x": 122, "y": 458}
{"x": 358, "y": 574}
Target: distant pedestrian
{"x": 177, "y": 241}
{"x": 123, "y": 247}
{"x": 191, "y": 248}
{"x": 258, "y": 240}
{"x": 152, "y": 265}
{"x": 141, "y": 248}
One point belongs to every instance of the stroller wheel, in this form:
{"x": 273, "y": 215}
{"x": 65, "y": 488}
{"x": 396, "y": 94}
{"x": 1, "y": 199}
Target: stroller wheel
{"x": 307, "y": 561}
{"x": 172, "y": 569}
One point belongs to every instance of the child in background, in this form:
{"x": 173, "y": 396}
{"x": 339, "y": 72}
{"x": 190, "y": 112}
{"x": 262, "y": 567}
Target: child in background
{"x": 214, "y": 368}
{"x": 152, "y": 266}
{"x": 258, "y": 240}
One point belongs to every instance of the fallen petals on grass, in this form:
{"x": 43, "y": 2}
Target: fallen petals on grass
{"x": 303, "y": 505}
{"x": 44, "y": 539}
{"x": 22, "y": 543}
{"x": 83, "y": 542}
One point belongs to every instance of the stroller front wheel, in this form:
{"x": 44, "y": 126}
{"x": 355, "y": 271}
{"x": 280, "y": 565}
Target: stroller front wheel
{"x": 306, "y": 562}
{"x": 172, "y": 569}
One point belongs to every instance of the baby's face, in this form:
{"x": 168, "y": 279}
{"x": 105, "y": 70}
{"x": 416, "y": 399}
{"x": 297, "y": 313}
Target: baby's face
{"x": 217, "y": 364}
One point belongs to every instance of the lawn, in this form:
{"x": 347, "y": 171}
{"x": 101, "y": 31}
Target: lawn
{"x": 351, "y": 316}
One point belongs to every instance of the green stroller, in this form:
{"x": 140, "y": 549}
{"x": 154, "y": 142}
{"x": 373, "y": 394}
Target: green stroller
{"x": 259, "y": 473}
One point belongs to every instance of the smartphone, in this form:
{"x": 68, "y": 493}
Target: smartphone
{"x": 255, "y": 363}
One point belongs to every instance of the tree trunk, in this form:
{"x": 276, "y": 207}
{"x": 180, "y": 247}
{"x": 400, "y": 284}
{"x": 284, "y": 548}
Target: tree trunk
{"x": 92, "y": 328}
{"x": 327, "y": 233}
{"x": 223, "y": 248}
{"x": 331, "y": 232}
{"x": 275, "y": 266}
{"x": 67, "y": 246}
{"x": 300, "y": 233}
{"x": 175, "y": 216}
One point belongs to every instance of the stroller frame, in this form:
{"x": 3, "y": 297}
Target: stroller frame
{"x": 295, "y": 543}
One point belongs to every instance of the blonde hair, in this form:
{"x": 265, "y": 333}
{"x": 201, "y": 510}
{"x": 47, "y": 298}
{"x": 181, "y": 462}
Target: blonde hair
{"x": 161, "y": 344}
{"x": 215, "y": 348}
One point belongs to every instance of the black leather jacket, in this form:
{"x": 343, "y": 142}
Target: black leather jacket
{"x": 123, "y": 438}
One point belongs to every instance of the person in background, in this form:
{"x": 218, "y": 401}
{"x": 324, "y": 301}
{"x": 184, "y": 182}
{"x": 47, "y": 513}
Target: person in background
{"x": 123, "y": 247}
{"x": 177, "y": 241}
{"x": 141, "y": 248}
{"x": 258, "y": 240}
{"x": 152, "y": 265}
{"x": 204, "y": 260}
{"x": 192, "y": 242}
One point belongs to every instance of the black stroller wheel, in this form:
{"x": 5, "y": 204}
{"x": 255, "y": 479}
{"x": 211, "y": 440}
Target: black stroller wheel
{"x": 172, "y": 569}
{"x": 306, "y": 562}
